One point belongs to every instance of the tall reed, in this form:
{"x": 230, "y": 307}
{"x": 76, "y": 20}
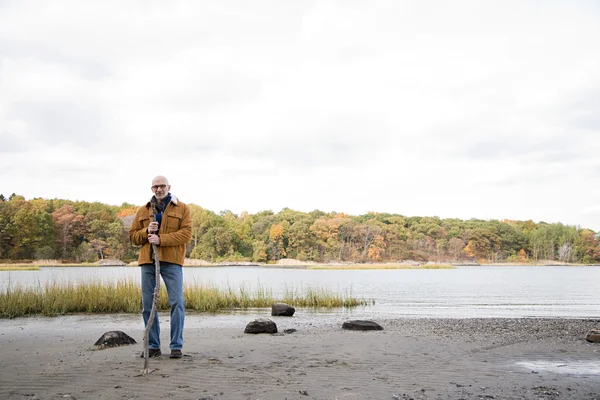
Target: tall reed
{"x": 124, "y": 296}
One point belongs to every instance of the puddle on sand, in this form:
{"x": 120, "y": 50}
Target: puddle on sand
{"x": 566, "y": 367}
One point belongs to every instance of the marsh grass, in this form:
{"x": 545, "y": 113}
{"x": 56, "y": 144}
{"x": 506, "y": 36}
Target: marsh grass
{"x": 436, "y": 266}
{"x": 19, "y": 267}
{"x": 124, "y": 296}
{"x": 322, "y": 298}
{"x": 36, "y": 266}
{"x": 381, "y": 266}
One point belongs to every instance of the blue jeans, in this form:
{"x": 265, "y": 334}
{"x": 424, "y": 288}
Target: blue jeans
{"x": 172, "y": 274}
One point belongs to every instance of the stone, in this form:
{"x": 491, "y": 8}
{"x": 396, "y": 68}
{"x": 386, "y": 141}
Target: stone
{"x": 282, "y": 310}
{"x": 114, "y": 339}
{"x": 261, "y": 325}
{"x": 593, "y": 336}
{"x": 360, "y": 325}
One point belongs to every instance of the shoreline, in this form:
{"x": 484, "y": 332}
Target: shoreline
{"x": 301, "y": 265}
{"x": 419, "y": 358}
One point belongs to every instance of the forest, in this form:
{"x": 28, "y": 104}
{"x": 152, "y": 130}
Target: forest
{"x": 79, "y": 231}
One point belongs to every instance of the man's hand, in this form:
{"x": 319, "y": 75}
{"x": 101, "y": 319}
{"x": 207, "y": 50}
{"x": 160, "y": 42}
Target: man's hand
{"x": 154, "y": 239}
{"x": 153, "y": 227}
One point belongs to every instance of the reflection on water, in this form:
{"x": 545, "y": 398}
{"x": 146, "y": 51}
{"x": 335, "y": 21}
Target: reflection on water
{"x": 567, "y": 367}
{"x": 457, "y": 293}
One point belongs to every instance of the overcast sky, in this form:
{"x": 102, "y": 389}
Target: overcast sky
{"x": 458, "y": 109}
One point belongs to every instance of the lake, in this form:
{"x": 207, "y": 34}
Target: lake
{"x": 464, "y": 292}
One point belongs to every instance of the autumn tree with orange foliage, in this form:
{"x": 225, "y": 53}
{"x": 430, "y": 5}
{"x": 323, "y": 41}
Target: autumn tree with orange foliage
{"x": 377, "y": 249}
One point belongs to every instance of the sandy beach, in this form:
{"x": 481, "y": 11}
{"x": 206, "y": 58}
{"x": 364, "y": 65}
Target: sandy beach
{"x": 54, "y": 358}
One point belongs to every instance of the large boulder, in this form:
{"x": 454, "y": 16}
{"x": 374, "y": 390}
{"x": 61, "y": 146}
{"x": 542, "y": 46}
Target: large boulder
{"x": 282, "y": 310}
{"x": 593, "y": 336}
{"x": 114, "y": 339}
{"x": 261, "y": 325}
{"x": 360, "y": 325}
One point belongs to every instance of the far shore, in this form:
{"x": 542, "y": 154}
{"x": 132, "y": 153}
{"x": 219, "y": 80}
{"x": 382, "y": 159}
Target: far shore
{"x": 293, "y": 264}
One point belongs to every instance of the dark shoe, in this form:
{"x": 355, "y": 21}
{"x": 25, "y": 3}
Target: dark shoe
{"x": 176, "y": 354}
{"x": 152, "y": 353}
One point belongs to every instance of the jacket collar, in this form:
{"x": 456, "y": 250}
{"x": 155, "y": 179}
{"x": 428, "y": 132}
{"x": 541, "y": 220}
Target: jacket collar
{"x": 173, "y": 200}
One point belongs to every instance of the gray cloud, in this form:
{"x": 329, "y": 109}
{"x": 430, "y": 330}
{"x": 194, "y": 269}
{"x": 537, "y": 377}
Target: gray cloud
{"x": 491, "y": 149}
{"x": 19, "y": 49}
{"x": 60, "y": 122}
{"x": 583, "y": 113}
{"x": 260, "y": 94}
{"x": 80, "y": 170}
{"x": 564, "y": 148}
{"x": 10, "y": 143}
{"x": 539, "y": 179}
{"x": 339, "y": 141}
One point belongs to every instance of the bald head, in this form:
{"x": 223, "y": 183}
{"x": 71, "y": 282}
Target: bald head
{"x": 158, "y": 180}
{"x": 160, "y": 187}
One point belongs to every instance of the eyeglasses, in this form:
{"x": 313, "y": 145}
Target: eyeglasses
{"x": 156, "y": 187}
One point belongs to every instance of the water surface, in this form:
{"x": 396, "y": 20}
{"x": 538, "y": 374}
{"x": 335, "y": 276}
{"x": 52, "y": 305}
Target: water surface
{"x": 464, "y": 292}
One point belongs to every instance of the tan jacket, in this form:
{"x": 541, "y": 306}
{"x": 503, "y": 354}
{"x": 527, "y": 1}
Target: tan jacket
{"x": 175, "y": 231}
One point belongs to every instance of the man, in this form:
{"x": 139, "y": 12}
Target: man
{"x": 170, "y": 232}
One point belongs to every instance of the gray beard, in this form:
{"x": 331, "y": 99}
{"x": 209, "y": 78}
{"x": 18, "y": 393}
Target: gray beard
{"x": 156, "y": 201}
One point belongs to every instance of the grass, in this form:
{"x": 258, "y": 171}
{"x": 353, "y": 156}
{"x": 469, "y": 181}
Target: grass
{"x": 124, "y": 296}
{"x": 19, "y": 267}
{"x": 23, "y": 266}
{"x": 312, "y": 297}
{"x": 381, "y": 266}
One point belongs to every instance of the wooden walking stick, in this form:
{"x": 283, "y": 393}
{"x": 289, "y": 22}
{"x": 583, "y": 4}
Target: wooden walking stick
{"x": 146, "y": 369}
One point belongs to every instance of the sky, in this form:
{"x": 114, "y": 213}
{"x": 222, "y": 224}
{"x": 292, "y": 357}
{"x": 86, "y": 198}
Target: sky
{"x": 462, "y": 109}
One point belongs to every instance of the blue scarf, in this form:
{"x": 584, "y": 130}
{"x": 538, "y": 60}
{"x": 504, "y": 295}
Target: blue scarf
{"x": 160, "y": 209}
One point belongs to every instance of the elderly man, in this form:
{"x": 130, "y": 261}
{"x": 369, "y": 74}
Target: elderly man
{"x": 170, "y": 230}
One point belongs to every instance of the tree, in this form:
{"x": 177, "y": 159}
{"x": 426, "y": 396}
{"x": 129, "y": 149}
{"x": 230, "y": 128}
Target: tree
{"x": 395, "y": 236}
{"x": 542, "y": 245}
{"x": 587, "y": 246}
{"x": 50, "y": 228}
{"x": 7, "y": 229}
{"x": 429, "y": 227}
{"x": 98, "y": 247}
{"x": 511, "y": 239}
{"x": 29, "y": 226}
{"x": 44, "y": 253}
{"x": 455, "y": 248}
{"x": 522, "y": 255}
{"x": 276, "y": 241}
{"x": 300, "y": 241}
{"x": 218, "y": 242}
{"x": 348, "y": 234}
{"x": 483, "y": 244}
{"x": 377, "y": 248}
{"x": 259, "y": 251}
{"x": 366, "y": 234}
{"x": 262, "y": 223}
{"x": 564, "y": 252}
{"x": 70, "y": 228}
{"x": 243, "y": 233}
{"x": 202, "y": 221}
{"x": 117, "y": 239}
{"x": 325, "y": 231}
{"x": 546, "y": 239}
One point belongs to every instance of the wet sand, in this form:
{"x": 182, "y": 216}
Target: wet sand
{"x": 54, "y": 358}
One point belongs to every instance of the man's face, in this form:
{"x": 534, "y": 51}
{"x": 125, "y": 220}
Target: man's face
{"x": 160, "y": 188}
